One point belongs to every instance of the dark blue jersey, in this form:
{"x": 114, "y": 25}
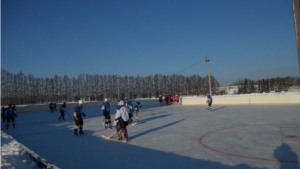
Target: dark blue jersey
{"x": 118, "y": 107}
{"x": 78, "y": 111}
{"x": 10, "y": 112}
{"x": 128, "y": 102}
{"x": 105, "y": 108}
{"x": 130, "y": 109}
{"x": 210, "y": 98}
{"x": 62, "y": 108}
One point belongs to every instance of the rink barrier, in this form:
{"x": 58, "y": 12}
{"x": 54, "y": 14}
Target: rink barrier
{"x": 41, "y": 162}
{"x": 45, "y": 107}
{"x": 245, "y": 99}
{"x": 281, "y": 98}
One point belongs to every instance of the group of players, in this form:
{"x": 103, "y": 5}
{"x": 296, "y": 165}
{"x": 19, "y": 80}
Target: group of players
{"x": 125, "y": 112}
{"x": 174, "y": 100}
{"x": 123, "y": 117}
{"x": 52, "y": 107}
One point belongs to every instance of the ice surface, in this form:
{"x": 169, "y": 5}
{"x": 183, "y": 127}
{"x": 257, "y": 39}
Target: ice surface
{"x": 243, "y": 136}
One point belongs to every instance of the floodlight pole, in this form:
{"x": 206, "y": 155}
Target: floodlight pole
{"x": 208, "y": 73}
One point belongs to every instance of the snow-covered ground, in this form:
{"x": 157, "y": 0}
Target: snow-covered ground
{"x": 244, "y": 136}
{"x": 14, "y": 156}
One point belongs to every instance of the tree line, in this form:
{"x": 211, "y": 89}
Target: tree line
{"x": 27, "y": 89}
{"x": 278, "y": 84}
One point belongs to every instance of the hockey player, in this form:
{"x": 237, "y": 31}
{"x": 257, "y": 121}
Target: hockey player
{"x": 128, "y": 103}
{"x": 209, "y": 101}
{"x": 15, "y": 107}
{"x": 160, "y": 100}
{"x": 106, "y": 113}
{"x": 121, "y": 121}
{"x": 62, "y": 111}
{"x": 51, "y": 107}
{"x": 167, "y": 99}
{"x": 177, "y": 99}
{"x": 3, "y": 114}
{"x": 137, "y": 105}
{"x": 10, "y": 114}
{"x": 78, "y": 118}
{"x": 174, "y": 100}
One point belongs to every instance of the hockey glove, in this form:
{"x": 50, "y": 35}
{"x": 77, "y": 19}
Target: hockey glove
{"x": 115, "y": 122}
{"x": 83, "y": 114}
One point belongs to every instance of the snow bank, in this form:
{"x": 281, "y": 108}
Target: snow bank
{"x": 17, "y": 156}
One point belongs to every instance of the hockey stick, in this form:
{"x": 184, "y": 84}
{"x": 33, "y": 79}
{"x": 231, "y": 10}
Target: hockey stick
{"x": 137, "y": 122}
{"x": 18, "y": 115}
{"x": 3, "y": 127}
{"x": 134, "y": 116}
{"x": 83, "y": 115}
{"x": 72, "y": 119}
{"x": 110, "y": 136}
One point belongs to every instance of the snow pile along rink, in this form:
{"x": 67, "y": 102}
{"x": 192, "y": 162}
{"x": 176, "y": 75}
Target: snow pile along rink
{"x": 15, "y": 155}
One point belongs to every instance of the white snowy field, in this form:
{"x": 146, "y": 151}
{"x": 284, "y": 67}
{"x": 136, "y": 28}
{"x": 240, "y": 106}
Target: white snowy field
{"x": 244, "y": 136}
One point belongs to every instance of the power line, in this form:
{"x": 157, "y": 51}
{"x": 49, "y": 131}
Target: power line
{"x": 190, "y": 66}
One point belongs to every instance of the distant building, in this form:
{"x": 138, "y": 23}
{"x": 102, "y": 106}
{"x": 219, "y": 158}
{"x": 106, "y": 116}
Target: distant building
{"x": 227, "y": 90}
{"x": 230, "y": 90}
{"x": 294, "y": 89}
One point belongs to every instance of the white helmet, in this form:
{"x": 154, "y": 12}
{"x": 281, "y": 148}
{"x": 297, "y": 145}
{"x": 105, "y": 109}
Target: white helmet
{"x": 121, "y": 103}
{"x": 105, "y": 99}
{"x": 80, "y": 102}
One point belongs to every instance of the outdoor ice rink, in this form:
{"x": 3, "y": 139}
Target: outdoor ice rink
{"x": 232, "y": 136}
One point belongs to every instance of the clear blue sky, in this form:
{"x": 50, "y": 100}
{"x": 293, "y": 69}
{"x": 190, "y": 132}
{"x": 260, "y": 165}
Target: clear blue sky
{"x": 244, "y": 38}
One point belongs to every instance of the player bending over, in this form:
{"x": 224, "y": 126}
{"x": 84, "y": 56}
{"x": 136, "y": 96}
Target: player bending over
{"x": 137, "y": 105}
{"x": 121, "y": 121}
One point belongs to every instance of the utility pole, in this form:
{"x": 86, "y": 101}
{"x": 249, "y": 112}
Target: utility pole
{"x": 207, "y": 59}
{"x": 295, "y": 4}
